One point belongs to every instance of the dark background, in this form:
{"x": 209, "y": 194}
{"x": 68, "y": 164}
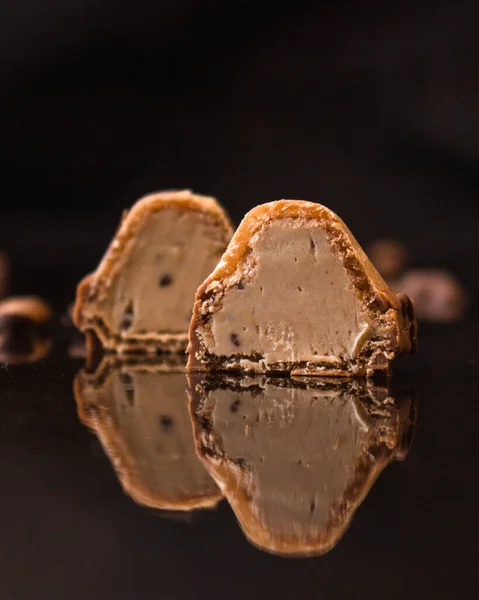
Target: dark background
{"x": 367, "y": 107}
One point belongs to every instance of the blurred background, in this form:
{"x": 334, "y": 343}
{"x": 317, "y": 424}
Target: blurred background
{"x": 368, "y": 107}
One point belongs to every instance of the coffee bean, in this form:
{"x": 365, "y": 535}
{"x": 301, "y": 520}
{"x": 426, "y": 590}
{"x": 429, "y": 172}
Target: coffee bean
{"x": 390, "y": 257}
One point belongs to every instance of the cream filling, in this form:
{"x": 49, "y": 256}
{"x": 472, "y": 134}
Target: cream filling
{"x": 299, "y": 449}
{"x": 165, "y": 262}
{"x": 148, "y": 413}
{"x": 298, "y": 306}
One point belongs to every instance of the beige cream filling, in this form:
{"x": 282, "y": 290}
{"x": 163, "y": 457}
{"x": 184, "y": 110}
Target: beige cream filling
{"x": 299, "y": 304}
{"x": 165, "y": 262}
{"x": 148, "y": 414}
{"x": 300, "y": 449}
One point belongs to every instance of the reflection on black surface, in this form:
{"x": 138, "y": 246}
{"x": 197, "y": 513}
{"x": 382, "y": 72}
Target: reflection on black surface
{"x": 295, "y": 459}
{"x": 140, "y": 414}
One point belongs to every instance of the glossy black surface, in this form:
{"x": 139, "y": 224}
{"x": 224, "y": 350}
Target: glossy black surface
{"x": 368, "y": 108}
{"x": 69, "y": 530}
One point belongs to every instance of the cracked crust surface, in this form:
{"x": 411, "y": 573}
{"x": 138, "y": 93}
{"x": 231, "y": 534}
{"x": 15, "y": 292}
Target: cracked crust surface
{"x": 98, "y": 289}
{"x": 391, "y": 316}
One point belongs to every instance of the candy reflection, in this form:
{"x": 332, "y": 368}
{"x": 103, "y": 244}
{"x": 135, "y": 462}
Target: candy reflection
{"x": 296, "y": 459}
{"x": 140, "y": 414}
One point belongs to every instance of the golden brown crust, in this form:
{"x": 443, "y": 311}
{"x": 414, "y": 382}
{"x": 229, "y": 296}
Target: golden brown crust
{"x": 392, "y": 315}
{"x": 95, "y": 286}
{"x": 96, "y": 417}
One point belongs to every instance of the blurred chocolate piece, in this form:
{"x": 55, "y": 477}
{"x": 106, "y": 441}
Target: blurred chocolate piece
{"x": 23, "y": 329}
{"x": 436, "y": 293}
{"x": 31, "y": 307}
{"x": 390, "y": 258}
{"x": 296, "y": 457}
{"x": 140, "y": 414}
{"x": 294, "y": 293}
{"x": 4, "y": 274}
{"x": 140, "y": 298}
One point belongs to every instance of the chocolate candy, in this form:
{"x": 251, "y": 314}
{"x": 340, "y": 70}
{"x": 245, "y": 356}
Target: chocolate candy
{"x": 137, "y": 299}
{"x": 295, "y": 293}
